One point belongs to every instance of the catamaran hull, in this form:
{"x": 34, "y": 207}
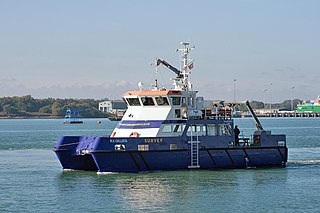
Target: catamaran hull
{"x": 71, "y": 156}
{"x": 69, "y": 160}
{"x": 180, "y": 159}
{"x": 99, "y": 154}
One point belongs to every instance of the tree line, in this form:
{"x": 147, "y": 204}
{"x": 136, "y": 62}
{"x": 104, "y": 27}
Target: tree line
{"x": 285, "y": 105}
{"x": 27, "y": 106}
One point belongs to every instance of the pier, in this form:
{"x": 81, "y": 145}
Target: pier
{"x": 290, "y": 114}
{"x": 285, "y": 113}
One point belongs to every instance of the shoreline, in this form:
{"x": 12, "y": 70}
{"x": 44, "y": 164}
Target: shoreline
{"x": 41, "y": 117}
{"x": 31, "y": 117}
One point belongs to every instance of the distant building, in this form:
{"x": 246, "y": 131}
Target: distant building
{"x": 117, "y": 107}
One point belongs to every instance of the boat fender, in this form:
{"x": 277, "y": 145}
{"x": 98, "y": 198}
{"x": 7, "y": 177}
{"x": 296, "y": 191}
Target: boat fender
{"x": 134, "y": 135}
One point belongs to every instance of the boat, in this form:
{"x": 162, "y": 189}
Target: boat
{"x": 170, "y": 129}
{"x": 115, "y": 118}
{"x": 312, "y": 106}
{"x": 72, "y": 117}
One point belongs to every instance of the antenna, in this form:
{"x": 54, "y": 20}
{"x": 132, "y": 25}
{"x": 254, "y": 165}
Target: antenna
{"x": 187, "y": 65}
{"x": 156, "y": 77}
{"x": 140, "y": 85}
{"x": 180, "y": 82}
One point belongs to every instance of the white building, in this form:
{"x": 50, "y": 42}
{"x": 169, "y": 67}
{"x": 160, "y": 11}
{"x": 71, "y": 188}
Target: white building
{"x": 115, "y": 106}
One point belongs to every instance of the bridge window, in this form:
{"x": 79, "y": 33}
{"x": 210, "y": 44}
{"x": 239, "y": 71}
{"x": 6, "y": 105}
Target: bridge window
{"x": 184, "y": 102}
{"x": 177, "y": 113}
{"x": 133, "y": 101}
{"x": 212, "y": 129}
{"x": 176, "y": 101}
{"x": 162, "y": 101}
{"x": 147, "y": 101}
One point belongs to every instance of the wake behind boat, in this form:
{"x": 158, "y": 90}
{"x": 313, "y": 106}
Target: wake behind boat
{"x": 170, "y": 129}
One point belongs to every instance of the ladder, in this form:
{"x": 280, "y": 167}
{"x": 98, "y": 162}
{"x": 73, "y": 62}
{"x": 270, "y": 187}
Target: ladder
{"x": 194, "y": 152}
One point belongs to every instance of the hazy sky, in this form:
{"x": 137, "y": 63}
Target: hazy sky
{"x": 100, "y": 49}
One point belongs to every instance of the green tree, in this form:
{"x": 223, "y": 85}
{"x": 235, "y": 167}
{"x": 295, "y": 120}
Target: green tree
{"x": 257, "y": 104}
{"x": 46, "y": 109}
{"x": 57, "y": 106}
{"x": 9, "y": 110}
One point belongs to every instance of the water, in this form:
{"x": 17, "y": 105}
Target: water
{"x": 32, "y": 180}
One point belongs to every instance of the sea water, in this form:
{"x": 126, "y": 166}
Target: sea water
{"x": 32, "y": 180}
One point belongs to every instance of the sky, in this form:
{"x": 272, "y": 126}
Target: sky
{"x": 266, "y": 50}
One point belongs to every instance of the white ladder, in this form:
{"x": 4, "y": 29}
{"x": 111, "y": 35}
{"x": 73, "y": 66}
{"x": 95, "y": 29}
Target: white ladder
{"x": 194, "y": 152}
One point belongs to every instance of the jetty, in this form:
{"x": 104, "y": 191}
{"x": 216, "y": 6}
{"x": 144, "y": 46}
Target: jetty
{"x": 290, "y": 114}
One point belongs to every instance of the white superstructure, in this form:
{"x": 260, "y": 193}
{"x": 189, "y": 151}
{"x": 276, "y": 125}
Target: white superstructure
{"x": 161, "y": 112}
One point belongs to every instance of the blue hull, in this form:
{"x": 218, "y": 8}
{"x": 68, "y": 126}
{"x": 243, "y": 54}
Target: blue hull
{"x": 70, "y": 156}
{"x": 105, "y": 154}
{"x": 180, "y": 159}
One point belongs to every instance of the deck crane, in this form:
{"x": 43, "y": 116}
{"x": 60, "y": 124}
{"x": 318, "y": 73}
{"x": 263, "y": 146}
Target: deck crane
{"x": 247, "y": 103}
{"x": 181, "y": 82}
{"x": 170, "y": 67}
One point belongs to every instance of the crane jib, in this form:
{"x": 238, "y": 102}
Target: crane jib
{"x": 169, "y": 66}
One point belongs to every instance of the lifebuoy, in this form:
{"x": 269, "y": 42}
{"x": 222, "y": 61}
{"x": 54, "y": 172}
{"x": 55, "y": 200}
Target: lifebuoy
{"x": 113, "y": 134}
{"x": 134, "y": 135}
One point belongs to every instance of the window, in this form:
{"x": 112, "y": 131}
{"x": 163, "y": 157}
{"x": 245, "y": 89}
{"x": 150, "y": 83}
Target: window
{"x": 201, "y": 129}
{"x": 167, "y": 128}
{"x": 225, "y": 129}
{"x": 147, "y": 101}
{"x": 177, "y": 128}
{"x": 173, "y": 146}
{"x": 196, "y": 130}
{"x": 183, "y": 127}
{"x": 175, "y": 101}
{"x": 212, "y": 129}
{"x": 191, "y": 129}
{"x": 133, "y": 101}
{"x": 162, "y": 101}
{"x": 143, "y": 147}
{"x": 184, "y": 101}
{"x": 120, "y": 147}
{"x": 177, "y": 113}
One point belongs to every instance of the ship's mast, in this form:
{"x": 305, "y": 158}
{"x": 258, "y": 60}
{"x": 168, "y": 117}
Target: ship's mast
{"x": 186, "y": 66}
{"x": 180, "y": 82}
